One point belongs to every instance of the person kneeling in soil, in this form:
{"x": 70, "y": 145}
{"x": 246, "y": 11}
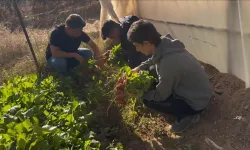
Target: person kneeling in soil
{"x": 63, "y": 52}
{"x": 183, "y": 89}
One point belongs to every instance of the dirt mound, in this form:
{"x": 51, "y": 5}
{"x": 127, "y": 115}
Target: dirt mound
{"x": 226, "y": 120}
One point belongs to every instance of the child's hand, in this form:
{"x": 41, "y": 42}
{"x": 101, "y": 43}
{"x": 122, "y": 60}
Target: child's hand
{"x": 105, "y": 56}
{"x": 106, "y": 53}
{"x": 100, "y": 63}
{"x": 136, "y": 69}
{"x": 79, "y": 58}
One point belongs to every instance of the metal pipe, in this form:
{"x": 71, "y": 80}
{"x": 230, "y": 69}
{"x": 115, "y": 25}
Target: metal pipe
{"x": 26, "y": 35}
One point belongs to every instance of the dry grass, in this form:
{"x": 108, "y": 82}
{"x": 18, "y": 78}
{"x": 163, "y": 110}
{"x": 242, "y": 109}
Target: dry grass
{"x": 15, "y": 55}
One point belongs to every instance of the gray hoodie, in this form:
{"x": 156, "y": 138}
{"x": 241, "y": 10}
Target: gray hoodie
{"x": 179, "y": 74}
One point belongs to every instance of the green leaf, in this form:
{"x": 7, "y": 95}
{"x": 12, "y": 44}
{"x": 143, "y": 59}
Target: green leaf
{"x": 33, "y": 144}
{"x": 95, "y": 144}
{"x": 35, "y": 120}
{"x": 57, "y": 139}
{"x": 46, "y": 113}
{"x": 14, "y": 109}
{"x": 27, "y": 125}
{"x": 70, "y": 118}
{"x": 6, "y": 108}
{"x": 91, "y": 135}
{"x": 2, "y": 147}
{"x": 53, "y": 117}
{"x": 87, "y": 144}
{"x": 119, "y": 146}
{"x": 49, "y": 128}
{"x": 20, "y": 143}
{"x": 38, "y": 98}
{"x": 12, "y": 146}
{"x": 29, "y": 113}
{"x": 9, "y": 118}
{"x": 39, "y": 144}
{"x": 6, "y": 137}
{"x": 11, "y": 132}
{"x": 74, "y": 105}
{"x": 40, "y": 131}
{"x": 19, "y": 128}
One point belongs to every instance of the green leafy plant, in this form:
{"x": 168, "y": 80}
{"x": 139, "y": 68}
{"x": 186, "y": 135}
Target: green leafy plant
{"x": 117, "y": 56}
{"x": 53, "y": 115}
{"x": 113, "y": 146}
{"x": 129, "y": 90}
{"x": 42, "y": 117}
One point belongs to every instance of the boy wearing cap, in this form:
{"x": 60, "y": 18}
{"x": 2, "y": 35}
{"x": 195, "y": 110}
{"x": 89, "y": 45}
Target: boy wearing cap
{"x": 63, "y": 52}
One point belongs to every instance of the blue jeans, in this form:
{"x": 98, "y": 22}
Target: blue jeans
{"x": 65, "y": 65}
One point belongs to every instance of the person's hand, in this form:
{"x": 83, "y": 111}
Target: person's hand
{"x": 100, "y": 63}
{"x": 79, "y": 58}
{"x": 106, "y": 53}
{"x": 136, "y": 69}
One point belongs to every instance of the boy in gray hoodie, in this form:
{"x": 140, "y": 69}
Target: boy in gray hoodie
{"x": 183, "y": 89}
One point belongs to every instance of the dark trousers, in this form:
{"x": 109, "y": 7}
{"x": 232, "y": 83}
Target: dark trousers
{"x": 172, "y": 106}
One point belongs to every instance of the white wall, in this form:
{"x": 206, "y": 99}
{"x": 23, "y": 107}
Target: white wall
{"x": 210, "y": 29}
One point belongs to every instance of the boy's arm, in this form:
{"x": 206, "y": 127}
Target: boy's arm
{"x": 95, "y": 48}
{"x": 167, "y": 79}
{"x": 56, "y": 52}
{"x": 86, "y": 39}
{"x": 163, "y": 89}
{"x": 144, "y": 65}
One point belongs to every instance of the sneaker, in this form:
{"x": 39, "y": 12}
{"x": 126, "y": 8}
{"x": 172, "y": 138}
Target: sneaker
{"x": 184, "y": 123}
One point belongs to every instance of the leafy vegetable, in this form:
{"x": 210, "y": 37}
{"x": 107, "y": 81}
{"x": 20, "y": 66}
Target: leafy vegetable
{"x": 129, "y": 90}
{"x": 42, "y": 117}
{"x": 117, "y": 56}
{"x": 54, "y": 115}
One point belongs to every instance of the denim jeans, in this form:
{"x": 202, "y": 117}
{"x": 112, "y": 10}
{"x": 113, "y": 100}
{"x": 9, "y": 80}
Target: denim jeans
{"x": 65, "y": 65}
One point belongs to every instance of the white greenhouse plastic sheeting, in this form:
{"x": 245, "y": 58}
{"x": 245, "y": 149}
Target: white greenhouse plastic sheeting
{"x": 215, "y": 32}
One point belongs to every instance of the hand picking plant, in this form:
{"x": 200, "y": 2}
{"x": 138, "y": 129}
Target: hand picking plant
{"x": 42, "y": 117}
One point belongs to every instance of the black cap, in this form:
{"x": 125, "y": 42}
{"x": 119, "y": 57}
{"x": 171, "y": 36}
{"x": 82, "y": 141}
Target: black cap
{"x": 107, "y": 27}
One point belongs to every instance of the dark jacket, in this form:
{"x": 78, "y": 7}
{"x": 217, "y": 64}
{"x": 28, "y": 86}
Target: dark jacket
{"x": 133, "y": 57}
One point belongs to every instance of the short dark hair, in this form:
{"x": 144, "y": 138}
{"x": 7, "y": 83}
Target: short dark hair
{"x": 107, "y": 27}
{"x": 75, "y": 21}
{"x": 143, "y": 30}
